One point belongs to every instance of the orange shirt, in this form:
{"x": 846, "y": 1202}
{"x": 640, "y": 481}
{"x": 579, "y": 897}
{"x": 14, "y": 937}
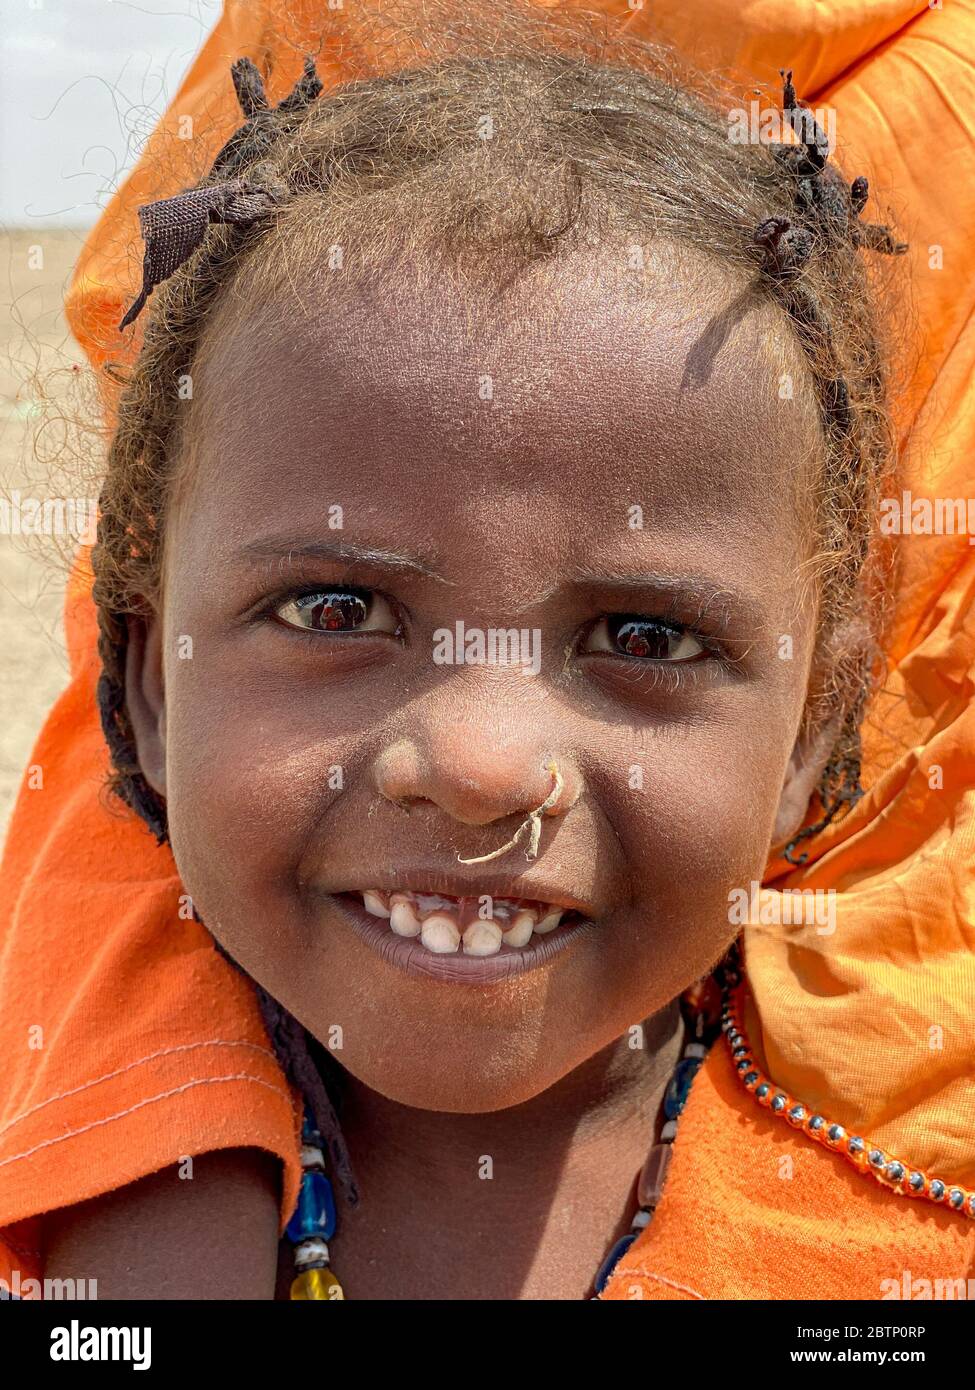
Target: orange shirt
{"x": 129, "y": 1043}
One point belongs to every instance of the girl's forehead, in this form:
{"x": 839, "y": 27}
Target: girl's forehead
{"x": 571, "y": 384}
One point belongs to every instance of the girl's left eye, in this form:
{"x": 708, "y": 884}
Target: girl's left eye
{"x": 338, "y": 610}
{"x": 627, "y": 634}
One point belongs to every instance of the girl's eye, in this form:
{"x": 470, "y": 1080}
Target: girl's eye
{"x": 338, "y": 610}
{"x": 627, "y": 634}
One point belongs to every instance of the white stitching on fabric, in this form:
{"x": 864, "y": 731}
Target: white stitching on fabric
{"x": 141, "y": 1061}
{"x": 661, "y": 1279}
{"x": 149, "y": 1100}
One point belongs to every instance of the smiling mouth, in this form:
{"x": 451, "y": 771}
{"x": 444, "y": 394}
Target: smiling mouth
{"x": 472, "y": 926}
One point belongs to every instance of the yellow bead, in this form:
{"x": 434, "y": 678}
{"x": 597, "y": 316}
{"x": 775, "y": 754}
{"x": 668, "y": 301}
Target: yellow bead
{"x": 317, "y": 1283}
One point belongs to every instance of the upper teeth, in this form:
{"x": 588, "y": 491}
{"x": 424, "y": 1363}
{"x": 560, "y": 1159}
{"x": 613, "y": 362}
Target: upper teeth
{"x": 375, "y": 903}
{"x": 549, "y": 922}
{"x": 481, "y": 939}
{"x": 440, "y": 933}
{"x": 446, "y": 924}
{"x": 402, "y": 918}
{"x": 520, "y": 931}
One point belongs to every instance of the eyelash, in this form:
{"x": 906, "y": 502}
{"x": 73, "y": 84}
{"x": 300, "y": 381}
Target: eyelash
{"x": 668, "y": 676}
{"x": 648, "y": 672}
{"x": 653, "y": 676}
{"x": 267, "y": 609}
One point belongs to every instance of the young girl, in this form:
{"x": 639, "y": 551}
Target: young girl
{"x": 490, "y": 589}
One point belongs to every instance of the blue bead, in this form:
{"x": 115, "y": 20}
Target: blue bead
{"x": 613, "y": 1259}
{"x": 315, "y": 1212}
{"x": 680, "y": 1086}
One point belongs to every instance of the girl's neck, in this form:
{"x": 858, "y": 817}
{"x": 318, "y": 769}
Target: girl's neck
{"x": 516, "y": 1203}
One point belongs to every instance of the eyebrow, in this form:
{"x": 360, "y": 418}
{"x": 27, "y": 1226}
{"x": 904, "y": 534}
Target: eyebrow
{"x": 286, "y": 550}
{"x": 720, "y": 602}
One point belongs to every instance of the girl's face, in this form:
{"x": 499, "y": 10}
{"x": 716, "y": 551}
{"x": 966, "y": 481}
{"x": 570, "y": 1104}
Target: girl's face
{"x": 611, "y": 474}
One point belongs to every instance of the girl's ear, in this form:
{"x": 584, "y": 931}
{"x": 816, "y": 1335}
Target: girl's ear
{"x": 145, "y": 698}
{"x": 809, "y": 757}
{"x": 845, "y": 665}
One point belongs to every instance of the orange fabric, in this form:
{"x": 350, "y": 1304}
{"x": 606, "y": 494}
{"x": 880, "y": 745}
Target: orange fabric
{"x": 152, "y": 1047}
{"x": 872, "y": 1022}
{"x": 753, "y": 1209}
{"x": 129, "y": 1043}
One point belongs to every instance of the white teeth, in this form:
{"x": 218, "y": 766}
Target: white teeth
{"x": 482, "y": 938}
{"x": 520, "y": 932}
{"x": 437, "y": 921}
{"x": 439, "y": 934}
{"x": 549, "y": 923}
{"x": 402, "y": 918}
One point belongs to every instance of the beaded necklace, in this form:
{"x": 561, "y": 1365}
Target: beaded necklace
{"x": 894, "y": 1173}
{"x": 712, "y": 1005}
{"x": 313, "y": 1223}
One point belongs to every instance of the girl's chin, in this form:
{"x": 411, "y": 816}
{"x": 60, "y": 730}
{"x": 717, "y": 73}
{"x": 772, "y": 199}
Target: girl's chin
{"x": 463, "y": 1089}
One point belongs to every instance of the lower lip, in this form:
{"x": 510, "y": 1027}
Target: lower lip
{"x": 407, "y": 954}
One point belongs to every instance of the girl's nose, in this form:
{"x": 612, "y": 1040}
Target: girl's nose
{"x": 475, "y": 784}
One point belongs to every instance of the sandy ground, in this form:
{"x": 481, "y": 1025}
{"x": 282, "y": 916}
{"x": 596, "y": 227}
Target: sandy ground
{"x": 39, "y": 458}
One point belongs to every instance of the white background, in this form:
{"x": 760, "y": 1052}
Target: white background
{"x": 82, "y": 83}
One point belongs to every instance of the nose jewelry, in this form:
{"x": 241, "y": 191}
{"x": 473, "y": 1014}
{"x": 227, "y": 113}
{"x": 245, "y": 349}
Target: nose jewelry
{"x": 532, "y": 823}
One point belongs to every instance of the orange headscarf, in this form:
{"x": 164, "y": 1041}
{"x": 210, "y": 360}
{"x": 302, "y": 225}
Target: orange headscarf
{"x": 130, "y": 1043}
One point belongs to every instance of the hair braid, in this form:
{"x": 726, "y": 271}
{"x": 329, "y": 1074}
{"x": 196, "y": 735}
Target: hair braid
{"x": 829, "y": 213}
{"x": 172, "y": 355}
{"x": 290, "y": 1043}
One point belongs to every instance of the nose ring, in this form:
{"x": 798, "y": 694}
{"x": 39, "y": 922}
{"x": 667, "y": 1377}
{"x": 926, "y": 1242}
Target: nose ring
{"x": 531, "y": 823}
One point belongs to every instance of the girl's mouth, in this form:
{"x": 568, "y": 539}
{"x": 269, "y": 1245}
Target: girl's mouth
{"x": 475, "y": 939}
{"x": 477, "y": 926}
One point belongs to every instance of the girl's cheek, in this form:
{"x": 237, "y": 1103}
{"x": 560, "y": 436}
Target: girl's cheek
{"x": 711, "y": 788}
{"x": 695, "y": 837}
{"x": 245, "y": 796}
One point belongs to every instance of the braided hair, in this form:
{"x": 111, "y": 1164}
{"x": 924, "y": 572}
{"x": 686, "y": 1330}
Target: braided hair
{"x": 594, "y": 132}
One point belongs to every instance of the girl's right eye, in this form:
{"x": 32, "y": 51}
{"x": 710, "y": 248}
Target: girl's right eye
{"x": 338, "y": 611}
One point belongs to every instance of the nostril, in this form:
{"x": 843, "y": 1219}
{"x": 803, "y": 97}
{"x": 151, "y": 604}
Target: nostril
{"x": 473, "y": 786}
{"x": 408, "y": 803}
